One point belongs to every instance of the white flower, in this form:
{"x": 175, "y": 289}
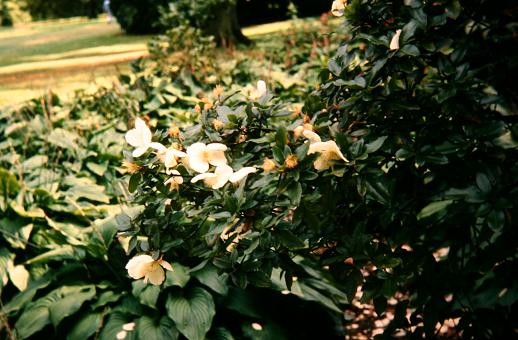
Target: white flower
{"x": 328, "y": 151}
{"x": 338, "y": 8}
{"x": 143, "y": 266}
{"x": 394, "y": 43}
{"x": 175, "y": 180}
{"x": 140, "y": 138}
{"x": 241, "y": 173}
{"x": 222, "y": 175}
{"x": 121, "y": 335}
{"x": 128, "y": 326}
{"x": 171, "y": 158}
{"x": 201, "y": 155}
{"x": 259, "y": 91}
{"x": 217, "y": 179}
{"x": 311, "y": 136}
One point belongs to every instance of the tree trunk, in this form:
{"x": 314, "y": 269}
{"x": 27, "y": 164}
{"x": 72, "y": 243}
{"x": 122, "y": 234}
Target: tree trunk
{"x": 226, "y": 27}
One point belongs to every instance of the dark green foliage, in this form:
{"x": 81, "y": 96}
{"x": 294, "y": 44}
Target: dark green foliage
{"x": 431, "y": 132}
{"x": 138, "y": 16}
{"x": 5, "y": 16}
{"x": 45, "y": 9}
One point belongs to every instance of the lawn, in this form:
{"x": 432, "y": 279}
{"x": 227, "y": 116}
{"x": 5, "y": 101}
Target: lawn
{"x": 65, "y": 55}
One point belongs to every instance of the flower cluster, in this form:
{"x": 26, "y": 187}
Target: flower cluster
{"x": 199, "y": 158}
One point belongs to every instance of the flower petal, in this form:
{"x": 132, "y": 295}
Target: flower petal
{"x": 222, "y": 173}
{"x": 261, "y": 88}
{"x": 241, "y": 173}
{"x": 139, "y": 151}
{"x": 318, "y": 147}
{"x": 166, "y": 265}
{"x": 142, "y": 128}
{"x": 197, "y": 160}
{"x": 204, "y": 176}
{"x": 311, "y": 136}
{"x": 157, "y": 146}
{"x": 321, "y": 163}
{"x": 134, "y": 138}
{"x": 156, "y": 276}
{"x": 137, "y": 266}
{"x": 216, "y": 147}
{"x": 217, "y": 158}
{"x": 394, "y": 43}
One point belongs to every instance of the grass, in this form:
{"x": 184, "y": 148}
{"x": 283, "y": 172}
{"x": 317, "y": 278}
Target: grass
{"x": 69, "y": 54}
{"x": 63, "y": 55}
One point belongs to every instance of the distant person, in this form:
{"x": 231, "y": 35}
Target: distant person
{"x": 106, "y": 8}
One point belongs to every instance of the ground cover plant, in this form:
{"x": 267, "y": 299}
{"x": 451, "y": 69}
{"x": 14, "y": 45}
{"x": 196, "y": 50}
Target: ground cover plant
{"x": 394, "y": 183}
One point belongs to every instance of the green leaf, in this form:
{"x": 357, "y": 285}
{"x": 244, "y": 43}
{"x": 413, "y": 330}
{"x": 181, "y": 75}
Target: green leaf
{"x": 334, "y": 67}
{"x": 92, "y": 192}
{"x": 32, "y": 320}
{"x": 294, "y": 193}
{"x": 153, "y": 329}
{"x": 9, "y": 185}
{"x": 85, "y": 327}
{"x": 53, "y": 307}
{"x": 73, "y": 299}
{"x": 179, "y": 277}
{"x": 114, "y": 326}
{"x": 220, "y": 333}
{"x": 210, "y": 277}
{"x": 281, "y": 136}
{"x": 375, "y": 145}
{"x": 98, "y": 169}
{"x": 496, "y": 220}
{"x": 483, "y": 182}
{"x": 22, "y": 298}
{"x": 433, "y": 208}
{"x": 64, "y": 139}
{"x": 134, "y": 182}
{"x": 192, "y": 313}
{"x": 146, "y": 293}
{"x": 411, "y": 50}
{"x": 289, "y": 240}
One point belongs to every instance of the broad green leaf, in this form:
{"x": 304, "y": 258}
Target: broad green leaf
{"x": 192, "y": 312}
{"x": 146, "y": 293}
{"x": 179, "y": 277}
{"x": 9, "y": 185}
{"x": 114, "y": 325}
{"x": 153, "y": 329}
{"x": 210, "y": 277}
{"x": 85, "y": 327}
{"x": 92, "y": 192}
{"x": 98, "y": 169}
{"x": 22, "y": 298}
{"x": 71, "y": 301}
{"x": 53, "y": 307}
{"x": 64, "y": 139}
